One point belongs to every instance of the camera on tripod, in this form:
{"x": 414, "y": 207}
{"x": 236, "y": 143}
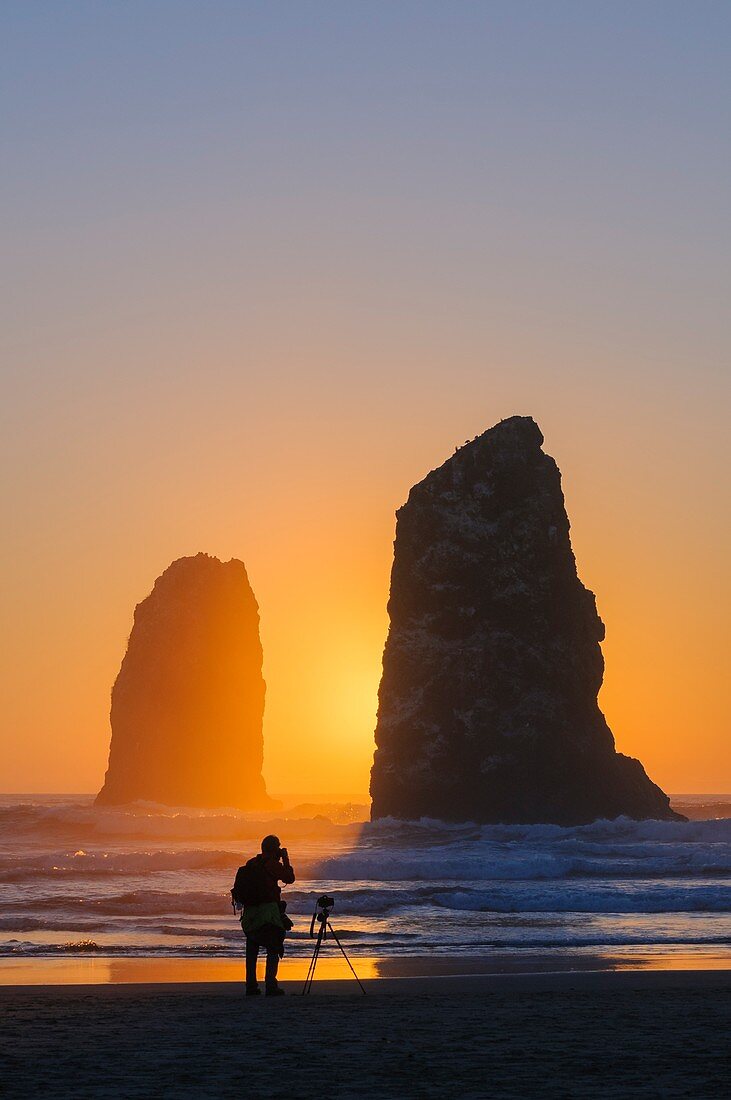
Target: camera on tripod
{"x": 323, "y": 908}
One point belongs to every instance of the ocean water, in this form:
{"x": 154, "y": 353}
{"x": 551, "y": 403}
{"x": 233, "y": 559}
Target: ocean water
{"x": 80, "y": 881}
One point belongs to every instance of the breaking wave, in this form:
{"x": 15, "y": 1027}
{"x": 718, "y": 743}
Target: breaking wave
{"x": 87, "y": 823}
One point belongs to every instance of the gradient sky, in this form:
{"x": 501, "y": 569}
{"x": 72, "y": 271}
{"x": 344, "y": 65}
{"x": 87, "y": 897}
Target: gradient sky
{"x": 266, "y": 264}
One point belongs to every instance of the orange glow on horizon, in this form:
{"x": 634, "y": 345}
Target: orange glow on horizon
{"x": 317, "y": 543}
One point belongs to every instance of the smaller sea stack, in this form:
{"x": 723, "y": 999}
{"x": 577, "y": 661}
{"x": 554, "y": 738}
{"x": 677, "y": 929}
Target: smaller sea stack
{"x": 188, "y": 703}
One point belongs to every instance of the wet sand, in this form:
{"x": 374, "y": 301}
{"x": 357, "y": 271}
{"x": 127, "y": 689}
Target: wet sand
{"x": 517, "y": 1034}
{"x": 98, "y": 970}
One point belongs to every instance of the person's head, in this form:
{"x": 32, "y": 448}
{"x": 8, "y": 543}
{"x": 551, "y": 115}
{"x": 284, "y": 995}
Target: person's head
{"x": 270, "y": 846}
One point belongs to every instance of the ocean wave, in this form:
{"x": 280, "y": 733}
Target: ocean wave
{"x": 358, "y": 944}
{"x": 79, "y": 913}
{"x": 545, "y": 852}
{"x": 88, "y": 823}
{"x": 668, "y": 832}
{"x": 82, "y": 863}
{"x": 605, "y": 898}
{"x": 130, "y": 904}
{"x": 428, "y": 851}
{"x": 84, "y": 821}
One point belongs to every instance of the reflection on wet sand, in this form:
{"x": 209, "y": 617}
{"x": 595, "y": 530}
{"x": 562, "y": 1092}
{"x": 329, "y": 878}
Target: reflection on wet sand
{"x": 100, "y": 971}
{"x": 162, "y": 971}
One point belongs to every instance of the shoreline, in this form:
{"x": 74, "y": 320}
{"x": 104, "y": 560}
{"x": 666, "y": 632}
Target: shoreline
{"x": 523, "y": 984}
{"x": 333, "y": 970}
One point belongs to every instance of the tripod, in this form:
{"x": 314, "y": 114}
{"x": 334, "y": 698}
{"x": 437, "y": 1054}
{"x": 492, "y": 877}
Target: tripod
{"x": 322, "y": 914}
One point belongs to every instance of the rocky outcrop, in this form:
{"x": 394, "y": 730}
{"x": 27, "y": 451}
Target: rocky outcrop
{"x": 488, "y": 701}
{"x": 188, "y": 703}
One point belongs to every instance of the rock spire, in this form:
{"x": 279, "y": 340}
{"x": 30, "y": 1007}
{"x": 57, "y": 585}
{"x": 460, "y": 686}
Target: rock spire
{"x": 488, "y": 701}
{"x": 188, "y": 703}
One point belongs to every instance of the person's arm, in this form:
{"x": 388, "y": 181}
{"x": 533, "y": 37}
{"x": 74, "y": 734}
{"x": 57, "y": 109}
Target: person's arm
{"x": 287, "y": 875}
{"x": 280, "y": 870}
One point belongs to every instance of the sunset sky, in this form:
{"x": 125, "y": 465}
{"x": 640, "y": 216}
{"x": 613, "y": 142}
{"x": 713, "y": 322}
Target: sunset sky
{"x": 267, "y": 264}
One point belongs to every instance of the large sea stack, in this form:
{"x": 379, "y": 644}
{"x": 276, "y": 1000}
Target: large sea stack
{"x": 188, "y": 703}
{"x": 488, "y": 702}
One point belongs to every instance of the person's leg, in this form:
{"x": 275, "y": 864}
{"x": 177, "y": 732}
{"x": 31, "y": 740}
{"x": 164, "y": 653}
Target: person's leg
{"x": 252, "y": 954}
{"x": 271, "y": 970}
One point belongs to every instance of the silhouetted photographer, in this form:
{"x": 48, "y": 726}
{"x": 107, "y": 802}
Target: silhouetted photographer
{"x": 264, "y": 919}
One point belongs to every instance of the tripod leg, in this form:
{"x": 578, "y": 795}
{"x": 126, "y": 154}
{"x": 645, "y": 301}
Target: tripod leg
{"x": 311, "y": 970}
{"x": 308, "y": 976}
{"x": 313, "y": 961}
{"x": 337, "y": 941}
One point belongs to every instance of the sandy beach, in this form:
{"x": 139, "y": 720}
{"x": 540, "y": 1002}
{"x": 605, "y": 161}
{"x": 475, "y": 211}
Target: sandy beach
{"x": 584, "y": 1034}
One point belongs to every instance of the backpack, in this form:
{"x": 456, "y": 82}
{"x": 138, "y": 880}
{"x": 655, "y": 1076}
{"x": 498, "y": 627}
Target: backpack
{"x": 250, "y": 884}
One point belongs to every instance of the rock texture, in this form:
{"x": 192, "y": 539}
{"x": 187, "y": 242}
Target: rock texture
{"x": 488, "y": 701}
{"x": 188, "y": 703}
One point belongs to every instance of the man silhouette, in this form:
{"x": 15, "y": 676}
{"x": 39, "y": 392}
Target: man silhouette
{"x": 264, "y": 921}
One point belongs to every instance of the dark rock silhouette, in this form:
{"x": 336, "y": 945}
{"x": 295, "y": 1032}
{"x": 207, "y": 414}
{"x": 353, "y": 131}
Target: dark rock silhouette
{"x": 488, "y": 700}
{"x": 188, "y": 703}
